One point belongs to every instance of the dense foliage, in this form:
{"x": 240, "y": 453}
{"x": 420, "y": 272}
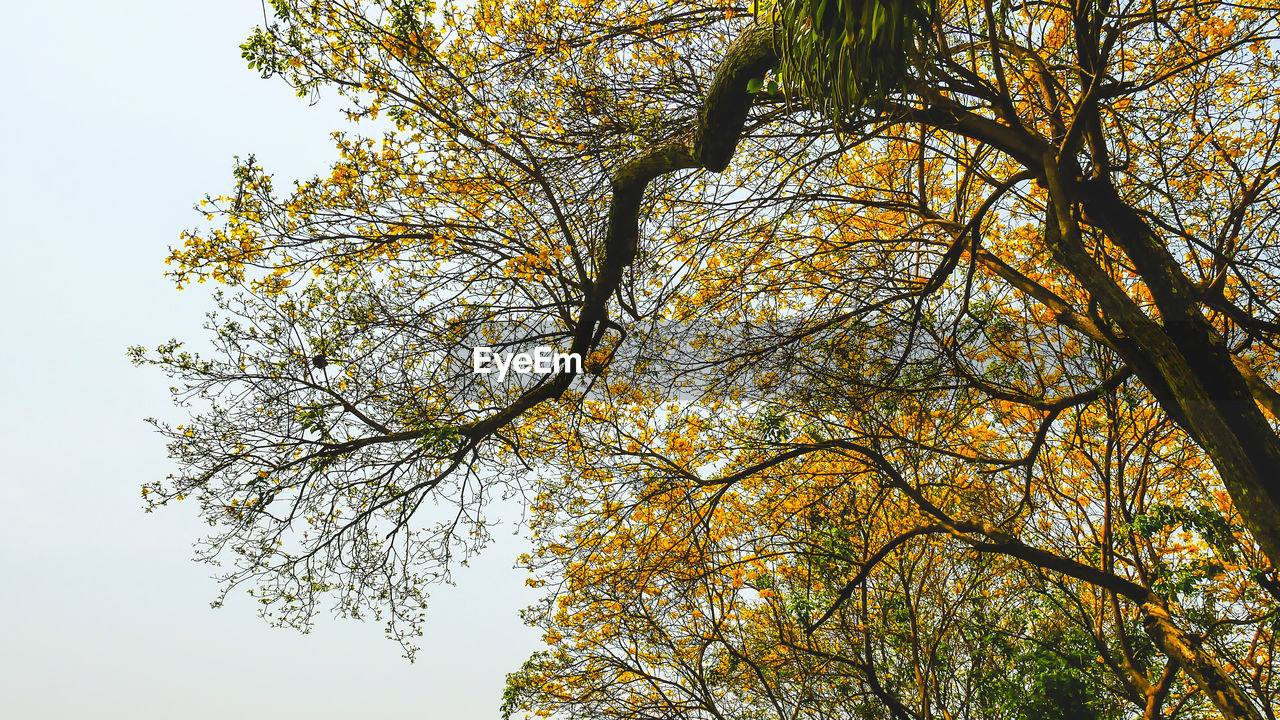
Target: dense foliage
{"x": 966, "y": 410}
{"x": 841, "y": 55}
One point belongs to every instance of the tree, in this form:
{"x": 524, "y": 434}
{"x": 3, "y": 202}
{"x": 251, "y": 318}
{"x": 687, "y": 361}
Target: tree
{"x": 846, "y": 597}
{"x": 938, "y": 289}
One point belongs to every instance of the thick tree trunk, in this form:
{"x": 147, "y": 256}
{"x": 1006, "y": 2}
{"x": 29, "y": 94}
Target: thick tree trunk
{"x": 1182, "y": 359}
{"x": 1209, "y": 675}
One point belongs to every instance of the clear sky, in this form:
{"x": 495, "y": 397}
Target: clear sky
{"x": 116, "y": 118}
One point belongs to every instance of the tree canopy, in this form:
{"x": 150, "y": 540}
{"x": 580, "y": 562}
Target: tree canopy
{"x": 929, "y": 349}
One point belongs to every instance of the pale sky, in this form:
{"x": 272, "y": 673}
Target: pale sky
{"x": 117, "y": 117}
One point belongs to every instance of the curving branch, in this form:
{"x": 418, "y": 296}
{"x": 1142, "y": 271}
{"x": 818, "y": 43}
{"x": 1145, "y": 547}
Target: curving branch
{"x": 710, "y": 146}
{"x": 1177, "y": 644}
